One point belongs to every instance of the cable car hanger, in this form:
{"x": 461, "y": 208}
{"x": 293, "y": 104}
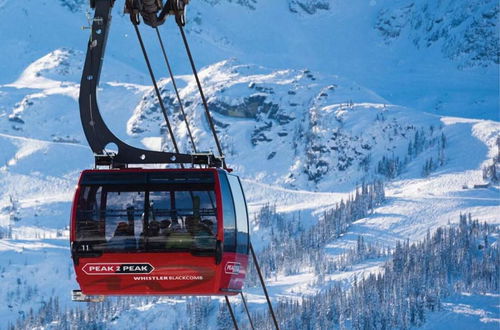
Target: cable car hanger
{"x": 98, "y": 135}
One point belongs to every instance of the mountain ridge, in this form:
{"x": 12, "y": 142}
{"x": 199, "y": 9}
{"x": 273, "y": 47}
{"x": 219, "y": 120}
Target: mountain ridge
{"x": 311, "y": 107}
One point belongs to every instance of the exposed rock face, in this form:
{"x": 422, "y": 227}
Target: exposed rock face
{"x": 465, "y": 32}
{"x": 308, "y": 6}
{"x": 246, "y": 3}
{"x": 301, "y": 127}
{"x": 74, "y": 5}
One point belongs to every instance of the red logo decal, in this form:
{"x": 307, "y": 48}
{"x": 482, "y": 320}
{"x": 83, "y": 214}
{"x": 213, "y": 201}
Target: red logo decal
{"x": 232, "y": 268}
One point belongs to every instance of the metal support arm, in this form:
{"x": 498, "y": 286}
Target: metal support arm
{"x": 97, "y": 133}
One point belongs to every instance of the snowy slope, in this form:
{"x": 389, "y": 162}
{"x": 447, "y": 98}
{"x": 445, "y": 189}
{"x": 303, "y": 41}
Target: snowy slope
{"x": 303, "y": 119}
{"x": 415, "y": 204}
{"x": 261, "y": 114}
{"x": 466, "y": 312}
{"x": 466, "y": 33}
{"x": 334, "y": 37}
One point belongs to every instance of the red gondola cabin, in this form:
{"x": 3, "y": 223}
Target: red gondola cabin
{"x": 159, "y": 232}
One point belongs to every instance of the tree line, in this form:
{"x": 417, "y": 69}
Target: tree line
{"x": 390, "y": 166}
{"x": 411, "y": 284}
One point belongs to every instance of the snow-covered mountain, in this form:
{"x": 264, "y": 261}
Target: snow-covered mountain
{"x": 467, "y": 33}
{"x": 311, "y": 98}
{"x": 428, "y": 66}
{"x": 315, "y": 131}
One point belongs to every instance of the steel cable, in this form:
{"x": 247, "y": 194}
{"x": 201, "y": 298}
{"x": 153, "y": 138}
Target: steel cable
{"x": 256, "y": 263}
{"x": 157, "y": 90}
{"x": 175, "y": 88}
{"x": 246, "y": 309}
{"x": 235, "y": 323}
{"x": 200, "y": 89}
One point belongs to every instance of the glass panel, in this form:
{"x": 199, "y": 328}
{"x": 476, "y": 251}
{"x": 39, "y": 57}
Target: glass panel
{"x": 124, "y": 210}
{"x": 241, "y": 214}
{"x": 182, "y": 220}
{"x": 88, "y": 224}
{"x": 229, "y": 215}
{"x": 160, "y": 203}
{"x": 149, "y": 218}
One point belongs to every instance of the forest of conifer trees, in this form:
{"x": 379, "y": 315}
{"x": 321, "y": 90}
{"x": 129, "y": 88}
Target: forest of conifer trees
{"x": 412, "y": 282}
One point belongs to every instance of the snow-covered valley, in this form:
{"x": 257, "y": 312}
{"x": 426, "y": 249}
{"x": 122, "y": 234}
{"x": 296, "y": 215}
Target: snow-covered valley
{"x": 307, "y": 110}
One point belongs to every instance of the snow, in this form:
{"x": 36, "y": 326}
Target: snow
{"x": 417, "y": 205}
{"x": 462, "y": 312}
{"x": 333, "y": 77}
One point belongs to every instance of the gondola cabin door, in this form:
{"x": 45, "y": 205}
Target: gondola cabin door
{"x": 159, "y": 232}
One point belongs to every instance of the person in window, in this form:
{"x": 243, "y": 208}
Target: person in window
{"x": 154, "y": 240}
{"x": 175, "y": 227}
{"x": 122, "y": 240}
{"x": 153, "y": 228}
{"x": 194, "y": 224}
{"x": 165, "y": 227}
{"x": 209, "y": 226}
{"x": 203, "y": 236}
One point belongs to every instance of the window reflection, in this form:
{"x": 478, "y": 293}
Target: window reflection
{"x": 150, "y": 218}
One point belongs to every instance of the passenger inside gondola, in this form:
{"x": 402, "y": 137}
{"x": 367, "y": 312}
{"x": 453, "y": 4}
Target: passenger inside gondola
{"x": 164, "y": 227}
{"x": 122, "y": 240}
{"x": 203, "y": 237}
{"x": 153, "y": 229}
{"x": 175, "y": 227}
{"x": 152, "y": 218}
{"x": 210, "y": 225}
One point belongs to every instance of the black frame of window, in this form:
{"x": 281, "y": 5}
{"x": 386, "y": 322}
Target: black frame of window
{"x": 145, "y": 182}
